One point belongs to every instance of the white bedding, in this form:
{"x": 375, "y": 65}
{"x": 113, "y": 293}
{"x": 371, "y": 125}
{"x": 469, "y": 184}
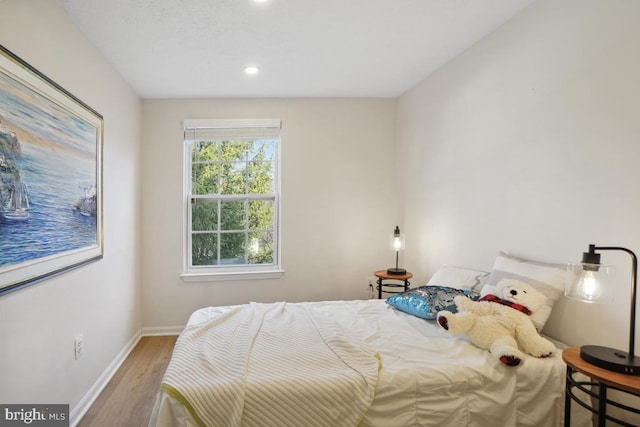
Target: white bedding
{"x": 427, "y": 377}
{"x": 223, "y": 369}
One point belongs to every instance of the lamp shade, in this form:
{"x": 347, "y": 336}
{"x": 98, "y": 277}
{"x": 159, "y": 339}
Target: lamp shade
{"x": 396, "y": 240}
{"x": 591, "y": 283}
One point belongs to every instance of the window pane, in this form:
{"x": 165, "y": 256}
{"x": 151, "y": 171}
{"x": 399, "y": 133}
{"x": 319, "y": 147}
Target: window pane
{"x": 261, "y": 214}
{"x": 204, "y": 215}
{"x": 262, "y": 150}
{"x": 232, "y": 248}
{"x": 232, "y": 216}
{"x": 233, "y": 151}
{"x": 204, "y": 249}
{"x": 233, "y": 179}
{"x": 204, "y": 151}
{"x": 261, "y": 248}
{"x": 261, "y": 178}
{"x": 204, "y": 179}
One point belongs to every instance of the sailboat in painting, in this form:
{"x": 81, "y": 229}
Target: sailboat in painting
{"x": 18, "y": 204}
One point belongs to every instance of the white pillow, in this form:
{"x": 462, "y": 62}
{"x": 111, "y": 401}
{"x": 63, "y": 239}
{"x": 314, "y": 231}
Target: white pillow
{"x": 546, "y": 277}
{"x": 458, "y": 277}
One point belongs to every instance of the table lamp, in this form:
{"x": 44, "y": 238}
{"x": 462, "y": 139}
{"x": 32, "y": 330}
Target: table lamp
{"x": 397, "y": 244}
{"x": 587, "y": 281}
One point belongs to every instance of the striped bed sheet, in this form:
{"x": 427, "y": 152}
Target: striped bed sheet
{"x": 345, "y": 363}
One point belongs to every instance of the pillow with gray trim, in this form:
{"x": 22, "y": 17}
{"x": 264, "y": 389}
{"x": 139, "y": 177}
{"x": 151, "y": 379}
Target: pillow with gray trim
{"x": 459, "y": 277}
{"x": 548, "y": 278}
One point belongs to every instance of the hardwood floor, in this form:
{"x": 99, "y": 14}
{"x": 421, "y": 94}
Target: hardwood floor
{"x": 128, "y": 398}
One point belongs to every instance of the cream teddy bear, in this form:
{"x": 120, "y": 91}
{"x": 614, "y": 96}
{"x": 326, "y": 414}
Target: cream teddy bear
{"x": 500, "y": 323}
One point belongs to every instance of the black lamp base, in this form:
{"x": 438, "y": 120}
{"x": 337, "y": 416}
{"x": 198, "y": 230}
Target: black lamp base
{"x": 396, "y": 271}
{"x": 610, "y": 359}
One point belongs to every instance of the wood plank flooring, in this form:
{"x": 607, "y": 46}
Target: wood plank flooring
{"x": 128, "y": 399}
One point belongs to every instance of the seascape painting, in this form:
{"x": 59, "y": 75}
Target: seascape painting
{"x": 50, "y": 177}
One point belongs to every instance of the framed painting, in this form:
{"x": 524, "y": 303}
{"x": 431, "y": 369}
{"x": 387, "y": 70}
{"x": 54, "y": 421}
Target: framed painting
{"x": 50, "y": 177}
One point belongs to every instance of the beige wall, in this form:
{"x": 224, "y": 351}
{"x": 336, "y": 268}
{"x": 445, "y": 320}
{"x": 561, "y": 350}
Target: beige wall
{"x": 528, "y": 142}
{"x": 101, "y": 300}
{"x": 338, "y": 202}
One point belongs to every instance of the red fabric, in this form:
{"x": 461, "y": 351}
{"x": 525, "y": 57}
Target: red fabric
{"x": 519, "y": 307}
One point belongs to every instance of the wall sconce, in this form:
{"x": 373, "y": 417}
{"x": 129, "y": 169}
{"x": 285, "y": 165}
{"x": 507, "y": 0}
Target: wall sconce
{"x": 397, "y": 244}
{"x": 588, "y": 281}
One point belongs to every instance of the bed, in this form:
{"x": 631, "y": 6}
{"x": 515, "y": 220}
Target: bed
{"x": 421, "y": 376}
{"x": 349, "y": 363}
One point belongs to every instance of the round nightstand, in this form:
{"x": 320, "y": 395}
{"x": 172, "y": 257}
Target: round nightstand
{"x": 602, "y": 380}
{"x": 382, "y": 276}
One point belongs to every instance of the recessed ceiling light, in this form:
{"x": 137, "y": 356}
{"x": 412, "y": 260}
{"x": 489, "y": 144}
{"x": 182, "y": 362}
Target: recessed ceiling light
{"x": 260, "y": 1}
{"x": 251, "y": 70}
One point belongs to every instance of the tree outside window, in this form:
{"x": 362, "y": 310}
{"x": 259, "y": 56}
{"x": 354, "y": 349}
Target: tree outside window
{"x": 233, "y": 202}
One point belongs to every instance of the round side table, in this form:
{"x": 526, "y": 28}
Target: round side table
{"x": 393, "y": 282}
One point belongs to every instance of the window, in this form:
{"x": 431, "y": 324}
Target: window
{"x": 232, "y": 198}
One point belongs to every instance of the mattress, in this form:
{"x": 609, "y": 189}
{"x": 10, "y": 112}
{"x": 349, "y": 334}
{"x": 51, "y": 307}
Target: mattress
{"x": 423, "y": 376}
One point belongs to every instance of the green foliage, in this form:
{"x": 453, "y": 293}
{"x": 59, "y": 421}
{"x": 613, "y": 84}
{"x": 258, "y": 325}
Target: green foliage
{"x": 204, "y": 249}
{"x": 242, "y": 227}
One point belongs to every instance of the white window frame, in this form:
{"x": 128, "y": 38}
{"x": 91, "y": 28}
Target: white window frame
{"x": 229, "y": 128}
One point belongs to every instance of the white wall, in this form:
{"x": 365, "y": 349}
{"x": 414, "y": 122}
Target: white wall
{"x": 529, "y": 143}
{"x": 101, "y": 300}
{"x": 338, "y": 202}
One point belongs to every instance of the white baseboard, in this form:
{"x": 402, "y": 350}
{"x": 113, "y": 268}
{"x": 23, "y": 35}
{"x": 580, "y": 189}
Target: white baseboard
{"x": 90, "y": 396}
{"x": 161, "y": 330}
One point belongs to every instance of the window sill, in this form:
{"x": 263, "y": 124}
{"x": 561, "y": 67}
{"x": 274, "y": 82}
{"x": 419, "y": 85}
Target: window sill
{"x": 229, "y": 275}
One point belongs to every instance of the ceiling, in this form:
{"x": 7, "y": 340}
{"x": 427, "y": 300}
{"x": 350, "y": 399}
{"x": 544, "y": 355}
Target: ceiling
{"x": 303, "y": 48}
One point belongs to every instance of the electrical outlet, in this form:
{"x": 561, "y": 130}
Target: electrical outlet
{"x": 78, "y": 345}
